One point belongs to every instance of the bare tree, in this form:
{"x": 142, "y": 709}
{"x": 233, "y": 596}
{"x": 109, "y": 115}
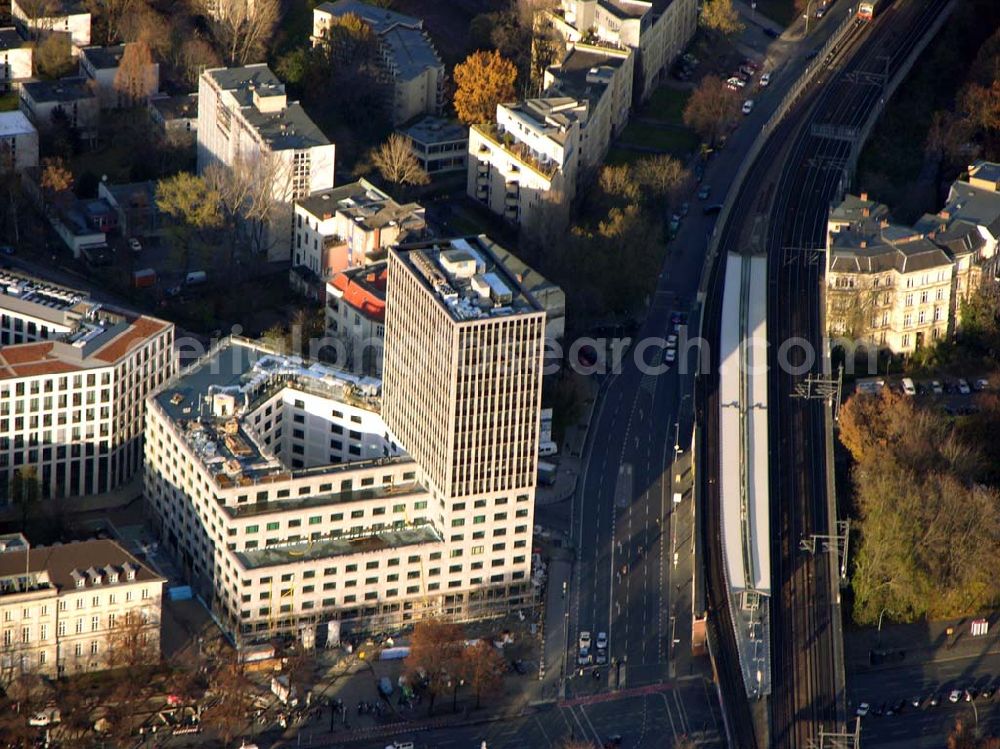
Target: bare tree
{"x": 233, "y": 702}
{"x": 110, "y": 16}
{"x": 247, "y": 190}
{"x": 39, "y": 14}
{"x": 243, "y": 28}
{"x": 131, "y": 643}
{"x": 397, "y": 164}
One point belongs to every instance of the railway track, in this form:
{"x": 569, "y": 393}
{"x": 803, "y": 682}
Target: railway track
{"x": 797, "y": 174}
{"x": 805, "y": 693}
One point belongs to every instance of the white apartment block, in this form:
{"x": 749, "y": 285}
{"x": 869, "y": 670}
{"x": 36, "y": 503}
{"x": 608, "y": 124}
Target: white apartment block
{"x": 290, "y": 502}
{"x": 524, "y": 168}
{"x": 441, "y": 146}
{"x": 410, "y": 65}
{"x": 65, "y": 609}
{"x": 101, "y": 64}
{"x": 68, "y": 18}
{"x": 73, "y": 379}
{"x": 244, "y": 116}
{"x": 601, "y": 78}
{"x": 18, "y": 142}
{"x": 886, "y": 285}
{"x": 15, "y": 59}
{"x": 349, "y": 227}
{"x": 658, "y": 30}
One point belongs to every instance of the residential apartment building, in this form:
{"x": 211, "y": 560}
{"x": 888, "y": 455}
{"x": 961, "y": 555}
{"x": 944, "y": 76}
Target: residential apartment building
{"x": 410, "y": 65}
{"x": 440, "y": 146}
{"x": 36, "y": 20}
{"x": 73, "y": 379}
{"x": 18, "y": 142}
{"x": 69, "y": 99}
{"x": 524, "y": 168}
{"x": 348, "y": 227}
{"x": 175, "y": 113}
{"x": 15, "y": 59}
{"x": 290, "y": 502}
{"x": 101, "y": 65}
{"x": 355, "y": 317}
{"x": 72, "y": 607}
{"x": 658, "y": 31}
{"x": 886, "y": 285}
{"x": 246, "y": 120}
{"x": 601, "y": 78}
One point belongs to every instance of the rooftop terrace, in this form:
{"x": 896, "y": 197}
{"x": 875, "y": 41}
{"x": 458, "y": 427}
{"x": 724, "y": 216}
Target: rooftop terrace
{"x": 307, "y": 550}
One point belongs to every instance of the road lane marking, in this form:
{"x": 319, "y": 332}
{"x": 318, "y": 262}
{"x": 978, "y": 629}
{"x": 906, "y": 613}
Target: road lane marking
{"x": 670, "y": 717}
{"x": 544, "y": 733}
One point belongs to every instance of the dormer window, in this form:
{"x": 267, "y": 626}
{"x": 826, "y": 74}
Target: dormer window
{"x": 130, "y": 570}
{"x": 79, "y": 578}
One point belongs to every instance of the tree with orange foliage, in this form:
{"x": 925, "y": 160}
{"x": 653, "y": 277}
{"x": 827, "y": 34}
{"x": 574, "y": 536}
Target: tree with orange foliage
{"x": 711, "y": 109}
{"x": 484, "y": 80}
{"x": 136, "y": 78}
{"x": 435, "y": 656}
{"x": 483, "y": 668}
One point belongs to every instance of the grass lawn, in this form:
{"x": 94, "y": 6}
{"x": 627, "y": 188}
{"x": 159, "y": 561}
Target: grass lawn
{"x": 666, "y": 105}
{"x": 675, "y": 141}
{"x": 779, "y": 11}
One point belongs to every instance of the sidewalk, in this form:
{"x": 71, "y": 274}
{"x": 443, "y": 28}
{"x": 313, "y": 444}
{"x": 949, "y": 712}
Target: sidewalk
{"x": 569, "y": 458}
{"x": 922, "y": 642}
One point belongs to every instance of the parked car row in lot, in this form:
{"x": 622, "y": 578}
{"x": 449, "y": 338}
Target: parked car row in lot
{"x": 943, "y": 386}
{"x": 936, "y": 696}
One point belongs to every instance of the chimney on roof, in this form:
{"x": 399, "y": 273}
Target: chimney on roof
{"x": 945, "y": 214}
{"x": 864, "y": 196}
{"x": 864, "y": 243}
{"x": 884, "y": 223}
{"x": 866, "y": 212}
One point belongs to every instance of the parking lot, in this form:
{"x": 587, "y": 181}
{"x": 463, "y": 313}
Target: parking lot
{"x": 954, "y": 394}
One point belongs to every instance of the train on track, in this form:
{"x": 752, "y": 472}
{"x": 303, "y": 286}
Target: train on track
{"x": 866, "y": 11}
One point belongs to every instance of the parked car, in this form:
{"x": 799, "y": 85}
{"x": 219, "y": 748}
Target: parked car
{"x": 955, "y": 695}
{"x": 584, "y": 640}
{"x": 671, "y": 343}
{"x": 908, "y": 387}
{"x": 602, "y": 640}
{"x": 981, "y": 384}
{"x": 704, "y": 192}
{"x": 936, "y": 387}
{"x": 916, "y": 700}
{"x": 135, "y": 245}
{"x": 765, "y": 80}
{"x": 6, "y": 249}
{"x": 963, "y": 387}
{"x": 970, "y": 694}
{"x": 862, "y": 710}
{"x": 669, "y": 357}
{"x": 685, "y": 207}
{"x": 748, "y": 106}
{"x": 935, "y": 699}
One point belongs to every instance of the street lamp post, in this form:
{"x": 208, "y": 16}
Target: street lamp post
{"x": 880, "y": 627}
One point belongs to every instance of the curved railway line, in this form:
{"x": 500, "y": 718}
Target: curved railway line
{"x": 790, "y": 187}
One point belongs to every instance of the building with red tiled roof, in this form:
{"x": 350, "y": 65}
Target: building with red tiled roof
{"x": 71, "y": 607}
{"x": 73, "y": 380}
{"x": 355, "y": 315}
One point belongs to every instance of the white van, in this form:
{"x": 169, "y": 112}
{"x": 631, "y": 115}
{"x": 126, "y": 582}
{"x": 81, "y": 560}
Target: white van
{"x": 908, "y": 387}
